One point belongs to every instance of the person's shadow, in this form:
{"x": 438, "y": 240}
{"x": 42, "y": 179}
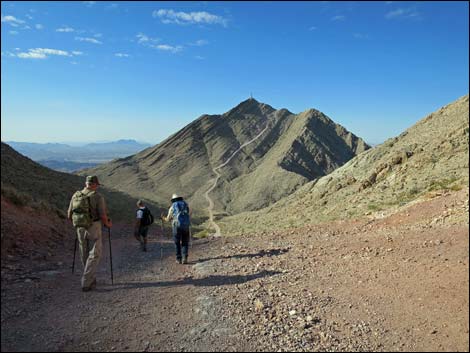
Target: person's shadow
{"x": 262, "y": 253}
{"x": 209, "y": 281}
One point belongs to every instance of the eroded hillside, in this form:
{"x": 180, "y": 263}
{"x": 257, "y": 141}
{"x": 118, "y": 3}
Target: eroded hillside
{"x": 295, "y": 149}
{"x": 429, "y": 157}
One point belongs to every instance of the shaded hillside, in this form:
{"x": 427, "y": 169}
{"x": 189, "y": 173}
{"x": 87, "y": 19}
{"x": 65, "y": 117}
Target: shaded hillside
{"x": 295, "y": 149}
{"x": 29, "y": 183}
{"x": 427, "y": 158}
{"x": 34, "y": 201}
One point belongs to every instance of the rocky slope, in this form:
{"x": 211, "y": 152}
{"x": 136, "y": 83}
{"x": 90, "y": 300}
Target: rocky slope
{"x": 295, "y": 149}
{"x": 430, "y": 156}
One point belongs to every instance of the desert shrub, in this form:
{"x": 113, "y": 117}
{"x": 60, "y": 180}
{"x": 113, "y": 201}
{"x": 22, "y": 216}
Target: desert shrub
{"x": 444, "y": 184}
{"x": 373, "y": 207}
{"x": 14, "y": 196}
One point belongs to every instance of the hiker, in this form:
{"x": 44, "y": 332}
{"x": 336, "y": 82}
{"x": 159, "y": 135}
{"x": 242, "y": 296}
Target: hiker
{"x": 87, "y": 210}
{"x": 142, "y": 224}
{"x": 179, "y": 214}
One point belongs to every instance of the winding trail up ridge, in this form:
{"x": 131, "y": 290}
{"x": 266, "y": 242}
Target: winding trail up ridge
{"x": 216, "y": 179}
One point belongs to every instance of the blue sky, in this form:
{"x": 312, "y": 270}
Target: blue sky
{"x": 100, "y": 71}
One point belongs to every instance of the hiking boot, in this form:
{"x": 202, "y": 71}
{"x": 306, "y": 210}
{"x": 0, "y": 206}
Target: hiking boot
{"x": 178, "y": 261}
{"x": 185, "y": 260}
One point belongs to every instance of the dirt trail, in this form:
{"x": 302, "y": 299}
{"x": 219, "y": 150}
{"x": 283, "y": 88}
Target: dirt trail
{"x": 398, "y": 282}
{"x": 216, "y": 179}
{"x": 154, "y": 305}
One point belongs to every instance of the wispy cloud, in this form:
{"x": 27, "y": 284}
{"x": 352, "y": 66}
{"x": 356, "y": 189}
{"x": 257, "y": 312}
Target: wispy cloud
{"x": 122, "y": 55}
{"x": 198, "y": 57}
{"x": 89, "y": 40}
{"x": 8, "y": 53}
{"x": 312, "y": 28}
{"x": 43, "y": 53}
{"x": 169, "y": 48}
{"x": 338, "y": 18}
{"x": 28, "y": 16}
{"x": 39, "y": 26}
{"x": 13, "y": 32}
{"x": 12, "y": 20}
{"x": 184, "y": 18}
{"x": 76, "y": 52}
{"x": 146, "y": 40}
{"x": 89, "y": 3}
{"x": 408, "y": 13}
{"x": 199, "y": 43}
{"x": 65, "y": 29}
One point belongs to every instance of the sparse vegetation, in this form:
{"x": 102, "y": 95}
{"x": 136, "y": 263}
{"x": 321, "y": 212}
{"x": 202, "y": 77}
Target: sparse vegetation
{"x": 444, "y": 184}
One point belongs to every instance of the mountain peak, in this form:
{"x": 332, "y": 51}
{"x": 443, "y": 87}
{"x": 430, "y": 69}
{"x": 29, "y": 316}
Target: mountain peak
{"x": 251, "y": 106}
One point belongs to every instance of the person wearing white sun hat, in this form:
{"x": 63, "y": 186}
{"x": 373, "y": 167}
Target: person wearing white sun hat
{"x": 178, "y": 213}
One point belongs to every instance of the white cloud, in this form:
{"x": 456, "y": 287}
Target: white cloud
{"x": 402, "y": 13}
{"x": 74, "y": 63}
{"x": 65, "y": 29}
{"x": 122, "y": 55}
{"x": 312, "y": 28}
{"x": 13, "y": 32}
{"x": 146, "y": 40}
{"x": 338, "y": 18}
{"x": 39, "y": 26}
{"x": 142, "y": 38}
{"x": 182, "y": 18}
{"x": 12, "y": 20}
{"x": 28, "y": 16}
{"x": 198, "y": 57}
{"x": 89, "y": 3}
{"x": 76, "y": 52}
{"x": 43, "y": 53}
{"x": 169, "y": 48}
{"x": 98, "y": 35}
{"x": 90, "y": 40}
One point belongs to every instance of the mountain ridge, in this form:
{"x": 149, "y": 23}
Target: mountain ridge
{"x": 184, "y": 162}
{"x": 429, "y": 156}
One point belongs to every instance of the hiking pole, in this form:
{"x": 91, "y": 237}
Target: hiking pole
{"x": 161, "y": 245}
{"x": 74, "y": 252}
{"x": 191, "y": 236}
{"x": 110, "y": 256}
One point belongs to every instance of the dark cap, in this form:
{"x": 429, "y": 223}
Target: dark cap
{"x": 92, "y": 179}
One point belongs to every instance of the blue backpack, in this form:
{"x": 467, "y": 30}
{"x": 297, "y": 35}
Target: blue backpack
{"x": 181, "y": 214}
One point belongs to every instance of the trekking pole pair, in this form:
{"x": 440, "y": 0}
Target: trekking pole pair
{"x": 110, "y": 255}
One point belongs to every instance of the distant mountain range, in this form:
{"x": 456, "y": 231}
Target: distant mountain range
{"x": 287, "y": 151}
{"x": 66, "y": 158}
